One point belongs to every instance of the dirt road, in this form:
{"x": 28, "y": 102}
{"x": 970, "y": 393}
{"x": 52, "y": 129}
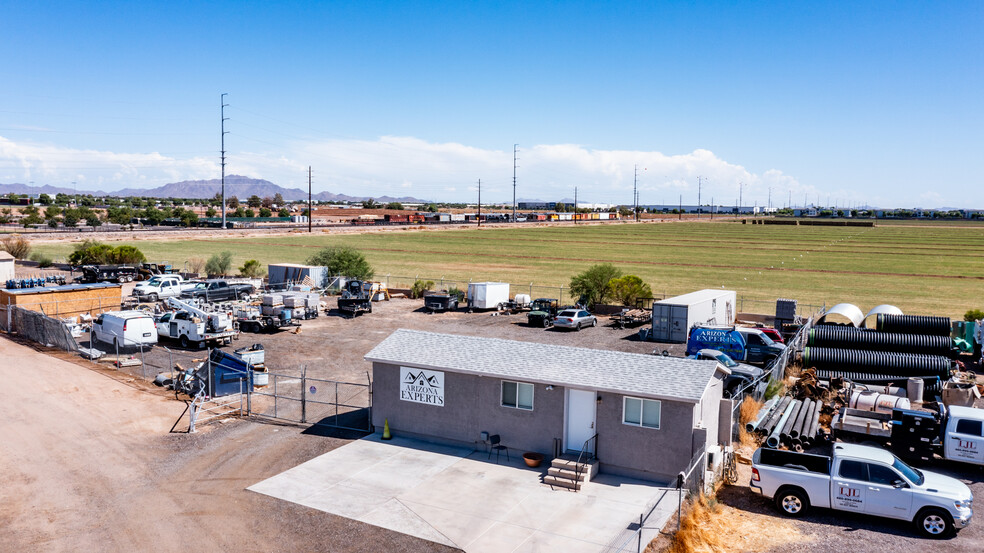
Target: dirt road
{"x": 87, "y": 464}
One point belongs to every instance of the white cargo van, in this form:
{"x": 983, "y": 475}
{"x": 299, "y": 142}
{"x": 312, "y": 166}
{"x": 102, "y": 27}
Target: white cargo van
{"x": 125, "y": 329}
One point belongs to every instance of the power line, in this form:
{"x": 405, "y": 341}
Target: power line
{"x": 222, "y": 111}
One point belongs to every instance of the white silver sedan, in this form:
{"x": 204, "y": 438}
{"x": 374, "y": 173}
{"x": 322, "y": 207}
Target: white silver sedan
{"x": 574, "y": 318}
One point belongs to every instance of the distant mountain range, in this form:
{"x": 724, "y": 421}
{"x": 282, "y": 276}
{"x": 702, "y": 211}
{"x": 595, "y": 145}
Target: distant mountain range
{"x": 236, "y": 185}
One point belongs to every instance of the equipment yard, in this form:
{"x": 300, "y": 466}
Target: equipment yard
{"x": 868, "y": 266}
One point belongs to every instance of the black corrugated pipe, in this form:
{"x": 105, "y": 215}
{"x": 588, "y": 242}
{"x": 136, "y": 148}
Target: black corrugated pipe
{"x": 876, "y": 362}
{"x": 932, "y": 382}
{"x": 831, "y": 336}
{"x": 913, "y": 324}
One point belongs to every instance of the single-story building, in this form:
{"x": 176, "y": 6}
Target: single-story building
{"x": 644, "y": 416}
{"x": 6, "y": 267}
{"x": 64, "y": 301}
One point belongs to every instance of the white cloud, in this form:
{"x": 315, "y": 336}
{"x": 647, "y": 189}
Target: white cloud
{"x": 432, "y": 170}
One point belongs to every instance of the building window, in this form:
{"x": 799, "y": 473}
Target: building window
{"x": 517, "y": 395}
{"x": 641, "y": 412}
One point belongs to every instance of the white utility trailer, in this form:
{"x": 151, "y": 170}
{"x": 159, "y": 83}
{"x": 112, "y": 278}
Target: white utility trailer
{"x": 487, "y": 295}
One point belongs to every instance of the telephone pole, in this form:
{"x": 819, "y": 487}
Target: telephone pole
{"x": 698, "y": 197}
{"x": 635, "y": 193}
{"x": 515, "y": 159}
{"x": 575, "y": 205}
{"x": 310, "y": 211}
{"x": 224, "y": 132}
{"x": 479, "y": 202}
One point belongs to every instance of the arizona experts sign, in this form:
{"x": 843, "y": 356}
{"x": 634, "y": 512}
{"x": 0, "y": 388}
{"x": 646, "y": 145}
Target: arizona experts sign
{"x": 422, "y": 386}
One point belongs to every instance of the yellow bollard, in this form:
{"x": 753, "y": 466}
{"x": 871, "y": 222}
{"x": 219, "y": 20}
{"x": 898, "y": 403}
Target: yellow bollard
{"x": 386, "y": 430}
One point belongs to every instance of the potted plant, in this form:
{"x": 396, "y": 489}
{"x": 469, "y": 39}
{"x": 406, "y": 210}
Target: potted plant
{"x": 532, "y": 459}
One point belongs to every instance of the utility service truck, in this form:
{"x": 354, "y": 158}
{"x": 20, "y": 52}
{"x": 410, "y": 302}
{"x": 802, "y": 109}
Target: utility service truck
{"x": 862, "y": 480}
{"x": 194, "y": 327}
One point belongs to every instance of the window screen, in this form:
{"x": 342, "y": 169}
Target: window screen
{"x": 966, "y": 426}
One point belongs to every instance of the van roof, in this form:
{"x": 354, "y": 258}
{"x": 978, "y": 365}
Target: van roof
{"x": 132, "y": 314}
{"x": 966, "y": 412}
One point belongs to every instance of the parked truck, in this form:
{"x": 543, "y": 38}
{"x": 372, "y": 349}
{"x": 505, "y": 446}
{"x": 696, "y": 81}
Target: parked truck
{"x": 160, "y": 287}
{"x": 862, "y": 480}
{"x": 954, "y": 433}
{"x": 194, "y": 327}
{"x": 748, "y": 345}
{"x": 218, "y": 290}
{"x": 542, "y": 312}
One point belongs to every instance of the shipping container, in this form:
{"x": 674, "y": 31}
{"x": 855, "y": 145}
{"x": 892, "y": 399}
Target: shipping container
{"x": 674, "y": 317}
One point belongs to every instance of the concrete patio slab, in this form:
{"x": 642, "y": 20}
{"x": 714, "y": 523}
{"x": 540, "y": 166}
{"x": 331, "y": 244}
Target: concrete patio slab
{"x": 458, "y": 497}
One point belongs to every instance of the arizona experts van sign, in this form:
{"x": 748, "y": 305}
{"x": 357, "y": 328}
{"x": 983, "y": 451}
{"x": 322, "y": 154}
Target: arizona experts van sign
{"x": 422, "y": 386}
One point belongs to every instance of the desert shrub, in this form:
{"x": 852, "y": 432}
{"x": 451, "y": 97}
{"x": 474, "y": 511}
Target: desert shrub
{"x": 196, "y": 264}
{"x": 16, "y": 245}
{"x": 419, "y": 287}
{"x": 41, "y": 259}
{"x": 593, "y": 283}
{"x": 128, "y": 254}
{"x": 626, "y": 290}
{"x": 218, "y": 264}
{"x": 974, "y": 315}
{"x": 457, "y": 292}
{"x": 343, "y": 261}
{"x": 252, "y": 269}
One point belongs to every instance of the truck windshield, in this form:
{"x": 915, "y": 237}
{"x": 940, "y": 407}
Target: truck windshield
{"x": 766, "y": 340}
{"x": 726, "y": 361}
{"x": 912, "y": 474}
{"x": 155, "y": 282}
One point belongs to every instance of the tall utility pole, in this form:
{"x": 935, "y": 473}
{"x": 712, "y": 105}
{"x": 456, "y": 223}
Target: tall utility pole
{"x": 698, "y": 197}
{"x": 575, "y": 205}
{"x": 635, "y": 193}
{"x": 741, "y": 188}
{"x": 789, "y": 201}
{"x": 224, "y": 119}
{"x": 310, "y": 210}
{"x": 681, "y": 207}
{"x": 770, "y": 197}
{"x": 479, "y": 202}
{"x": 515, "y": 159}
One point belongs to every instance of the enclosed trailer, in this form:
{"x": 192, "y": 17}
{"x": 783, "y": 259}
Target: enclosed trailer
{"x": 487, "y": 295}
{"x": 674, "y": 317}
{"x": 281, "y": 274}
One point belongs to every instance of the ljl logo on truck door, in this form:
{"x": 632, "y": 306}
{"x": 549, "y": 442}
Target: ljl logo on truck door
{"x": 849, "y": 497}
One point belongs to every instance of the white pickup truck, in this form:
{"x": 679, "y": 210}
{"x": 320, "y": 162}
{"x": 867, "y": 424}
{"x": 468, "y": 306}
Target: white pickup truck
{"x": 862, "y": 479}
{"x": 161, "y": 287}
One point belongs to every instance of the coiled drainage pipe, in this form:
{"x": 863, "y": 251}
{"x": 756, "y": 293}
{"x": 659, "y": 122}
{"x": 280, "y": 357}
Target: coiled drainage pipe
{"x": 932, "y": 383}
{"x": 913, "y": 324}
{"x": 878, "y": 362}
{"x": 831, "y": 336}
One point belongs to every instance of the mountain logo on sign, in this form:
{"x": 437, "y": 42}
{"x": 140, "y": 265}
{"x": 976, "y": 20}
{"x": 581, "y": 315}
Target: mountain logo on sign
{"x": 421, "y": 379}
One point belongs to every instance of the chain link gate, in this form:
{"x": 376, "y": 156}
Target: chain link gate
{"x": 303, "y": 399}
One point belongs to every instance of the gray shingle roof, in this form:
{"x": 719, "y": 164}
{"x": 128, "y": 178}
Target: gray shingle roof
{"x": 592, "y": 369}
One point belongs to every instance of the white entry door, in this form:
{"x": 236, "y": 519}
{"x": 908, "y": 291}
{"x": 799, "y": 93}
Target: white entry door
{"x": 580, "y": 418}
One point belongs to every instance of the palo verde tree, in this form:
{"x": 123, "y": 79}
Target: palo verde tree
{"x": 343, "y": 261}
{"x": 626, "y": 290}
{"x": 593, "y": 283}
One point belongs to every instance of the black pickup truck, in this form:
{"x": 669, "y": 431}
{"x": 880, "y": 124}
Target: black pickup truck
{"x": 218, "y": 290}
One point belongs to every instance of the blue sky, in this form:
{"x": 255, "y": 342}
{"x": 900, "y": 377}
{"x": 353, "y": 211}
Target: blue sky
{"x": 866, "y": 102}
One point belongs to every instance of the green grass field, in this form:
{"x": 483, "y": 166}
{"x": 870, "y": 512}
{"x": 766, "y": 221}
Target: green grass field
{"x": 935, "y": 270}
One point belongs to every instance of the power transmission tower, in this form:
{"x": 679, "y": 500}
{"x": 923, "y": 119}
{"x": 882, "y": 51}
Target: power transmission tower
{"x": 224, "y": 132}
{"x": 515, "y": 159}
{"x": 310, "y": 210}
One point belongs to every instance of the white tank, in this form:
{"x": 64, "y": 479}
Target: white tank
{"x": 873, "y": 401}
